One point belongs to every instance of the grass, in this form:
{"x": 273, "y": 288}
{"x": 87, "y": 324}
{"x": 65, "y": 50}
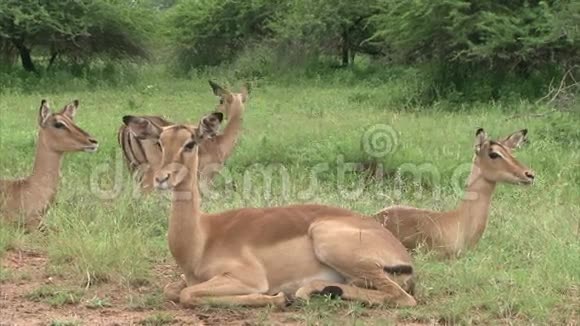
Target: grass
{"x": 54, "y": 296}
{"x": 98, "y": 303}
{"x": 145, "y": 301}
{"x": 157, "y": 319}
{"x": 525, "y": 269}
{"x": 64, "y": 323}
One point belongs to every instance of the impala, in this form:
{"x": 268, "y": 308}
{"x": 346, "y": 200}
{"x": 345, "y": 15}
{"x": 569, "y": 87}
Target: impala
{"x": 259, "y": 256}
{"x": 451, "y": 233}
{"x": 27, "y": 199}
{"x": 143, "y": 156}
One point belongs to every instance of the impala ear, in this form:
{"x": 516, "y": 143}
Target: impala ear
{"x": 217, "y": 89}
{"x": 245, "y": 91}
{"x": 210, "y": 125}
{"x": 220, "y": 91}
{"x": 516, "y": 139}
{"x": 141, "y": 127}
{"x": 43, "y": 113}
{"x": 70, "y": 109}
{"x": 480, "y": 138}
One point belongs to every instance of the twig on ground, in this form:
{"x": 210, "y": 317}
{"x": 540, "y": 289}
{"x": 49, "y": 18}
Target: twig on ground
{"x": 552, "y": 95}
{"x": 88, "y": 280}
{"x": 555, "y": 92}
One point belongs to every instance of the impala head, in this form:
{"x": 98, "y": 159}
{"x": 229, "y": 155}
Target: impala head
{"x": 230, "y": 101}
{"x": 179, "y": 145}
{"x": 496, "y": 161}
{"x": 59, "y": 132}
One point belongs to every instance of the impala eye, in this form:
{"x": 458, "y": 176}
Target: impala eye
{"x": 189, "y": 146}
{"x": 58, "y": 125}
{"x": 494, "y": 155}
{"x": 221, "y": 100}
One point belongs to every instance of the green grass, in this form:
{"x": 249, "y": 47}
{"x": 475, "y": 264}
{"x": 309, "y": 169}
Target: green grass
{"x": 525, "y": 269}
{"x": 54, "y": 296}
{"x": 157, "y": 319}
{"x": 64, "y": 323}
{"x": 98, "y": 303}
{"x": 145, "y": 301}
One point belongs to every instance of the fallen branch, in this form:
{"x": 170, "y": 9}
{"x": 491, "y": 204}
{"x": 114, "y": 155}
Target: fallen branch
{"x": 552, "y": 95}
{"x": 561, "y": 88}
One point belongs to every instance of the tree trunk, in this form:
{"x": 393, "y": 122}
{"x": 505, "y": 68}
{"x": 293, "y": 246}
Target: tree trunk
{"x": 25, "y": 57}
{"x": 345, "y": 48}
{"x": 52, "y": 59}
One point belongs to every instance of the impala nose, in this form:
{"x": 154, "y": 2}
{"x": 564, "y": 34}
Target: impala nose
{"x": 161, "y": 182}
{"x": 530, "y": 175}
{"x": 93, "y": 141}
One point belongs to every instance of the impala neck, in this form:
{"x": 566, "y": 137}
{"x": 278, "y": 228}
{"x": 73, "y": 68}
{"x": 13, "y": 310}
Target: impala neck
{"x": 473, "y": 211}
{"x": 184, "y": 225}
{"x": 46, "y": 170}
{"x": 233, "y": 128}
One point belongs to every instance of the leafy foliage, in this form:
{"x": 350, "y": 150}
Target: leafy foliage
{"x": 512, "y": 35}
{"x": 211, "y": 32}
{"x": 74, "y": 29}
{"x": 332, "y": 27}
{"x": 464, "y": 49}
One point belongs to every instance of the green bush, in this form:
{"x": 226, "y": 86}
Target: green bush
{"x": 73, "y": 77}
{"x": 76, "y": 31}
{"x": 503, "y": 35}
{"x": 474, "y": 49}
{"x": 211, "y": 32}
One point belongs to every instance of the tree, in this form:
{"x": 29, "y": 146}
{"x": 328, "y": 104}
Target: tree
{"x": 330, "y": 26}
{"x": 504, "y": 35}
{"x": 214, "y": 31}
{"x": 75, "y": 29}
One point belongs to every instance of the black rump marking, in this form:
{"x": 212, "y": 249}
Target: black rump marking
{"x": 399, "y": 269}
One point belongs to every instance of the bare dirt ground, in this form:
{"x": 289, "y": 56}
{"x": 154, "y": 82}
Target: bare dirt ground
{"x": 16, "y": 308}
{"x": 28, "y": 273}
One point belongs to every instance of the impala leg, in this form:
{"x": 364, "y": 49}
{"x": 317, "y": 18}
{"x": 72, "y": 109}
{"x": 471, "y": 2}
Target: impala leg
{"x": 393, "y": 291}
{"x": 349, "y": 292}
{"x": 367, "y": 275}
{"x": 344, "y": 291}
{"x": 247, "y": 300}
{"x": 227, "y": 290}
{"x": 362, "y": 257}
{"x": 172, "y": 290}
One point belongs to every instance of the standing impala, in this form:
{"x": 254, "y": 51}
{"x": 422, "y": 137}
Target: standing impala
{"x": 256, "y": 256}
{"x": 27, "y": 199}
{"x": 451, "y": 233}
{"x": 144, "y": 156}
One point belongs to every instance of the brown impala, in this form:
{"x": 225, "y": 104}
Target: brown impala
{"x": 144, "y": 155}
{"x": 451, "y": 233}
{"x": 27, "y": 199}
{"x": 257, "y": 256}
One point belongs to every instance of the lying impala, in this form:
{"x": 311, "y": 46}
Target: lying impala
{"x": 143, "y": 156}
{"x": 451, "y": 233}
{"x": 27, "y": 199}
{"x": 256, "y": 256}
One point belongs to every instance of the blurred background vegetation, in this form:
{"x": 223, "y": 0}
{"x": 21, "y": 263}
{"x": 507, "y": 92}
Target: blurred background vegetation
{"x": 439, "y": 50}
